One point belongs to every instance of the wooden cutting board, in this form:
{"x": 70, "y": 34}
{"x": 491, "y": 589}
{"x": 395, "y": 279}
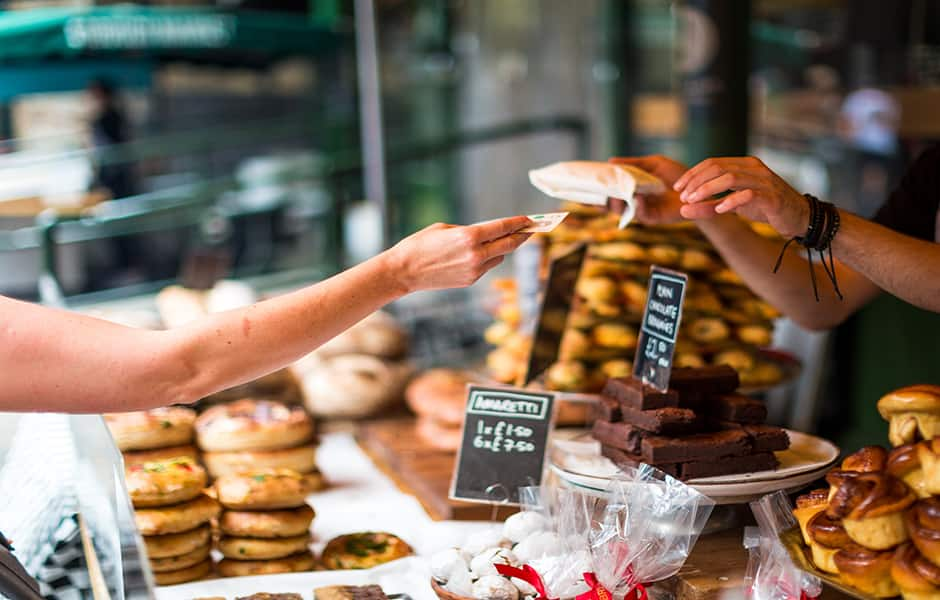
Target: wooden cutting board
{"x": 420, "y": 470}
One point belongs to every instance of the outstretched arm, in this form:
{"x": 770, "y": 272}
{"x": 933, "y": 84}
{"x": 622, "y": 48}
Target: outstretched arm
{"x": 53, "y": 360}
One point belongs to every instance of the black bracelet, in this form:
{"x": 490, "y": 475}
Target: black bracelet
{"x": 821, "y": 229}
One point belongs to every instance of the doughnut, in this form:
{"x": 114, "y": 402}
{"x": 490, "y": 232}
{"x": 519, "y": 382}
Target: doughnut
{"x": 438, "y": 435}
{"x": 177, "y": 518}
{"x": 252, "y": 425}
{"x": 302, "y": 459}
{"x": 164, "y": 482}
{"x": 242, "y": 548}
{"x": 614, "y": 335}
{"x": 440, "y": 394}
{"x": 149, "y": 429}
{"x": 291, "y": 564}
{"x": 664, "y": 255}
{"x": 176, "y": 544}
{"x": 266, "y": 524}
{"x": 138, "y": 457}
{"x": 266, "y": 489}
{"x": 363, "y": 550}
{"x": 183, "y": 561}
{"x": 709, "y": 330}
{"x": 197, "y": 571}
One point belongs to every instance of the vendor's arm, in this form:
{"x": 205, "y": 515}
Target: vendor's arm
{"x": 54, "y": 360}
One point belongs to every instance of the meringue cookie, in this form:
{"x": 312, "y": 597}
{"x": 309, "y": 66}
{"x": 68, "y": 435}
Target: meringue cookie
{"x": 483, "y": 563}
{"x": 537, "y": 545}
{"x": 481, "y": 540}
{"x": 525, "y": 588}
{"x": 521, "y": 525}
{"x": 445, "y": 562}
{"x": 494, "y": 587}
{"x": 460, "y": 582}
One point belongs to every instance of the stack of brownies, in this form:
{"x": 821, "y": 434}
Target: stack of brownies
{"x": 698, "y": 428}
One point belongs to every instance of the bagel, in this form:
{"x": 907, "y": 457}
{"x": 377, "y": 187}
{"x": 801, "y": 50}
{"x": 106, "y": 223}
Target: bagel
{"x": 176, "y": 544}
{"x": 183, "y": 561}
{"x": 363, "y": 550}
{"x": 440, "y": 394}
{"x": 242, "y": 548}
{"x": 250, "y": 424}
{"x": 302, "y": 459}
{"x": 150, "y": 429}
{"x": 138, "y": 457}
{"x": 290, "y": 564}
{"x": 161, "y": 483}
{"x": 266, "y": 524}
{"x": 354, "y": 385}
{"x": 197, "y": 571}
{"x": 266, "y": 489}
{"x": 177, "y": 518}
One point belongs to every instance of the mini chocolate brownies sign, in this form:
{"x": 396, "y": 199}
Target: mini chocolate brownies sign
{"x": 505, "y": 437}
{"x": 660, "y": 327}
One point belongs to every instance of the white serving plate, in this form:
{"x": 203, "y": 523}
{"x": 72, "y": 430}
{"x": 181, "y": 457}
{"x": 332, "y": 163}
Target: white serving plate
{"x": 577, "y": 461}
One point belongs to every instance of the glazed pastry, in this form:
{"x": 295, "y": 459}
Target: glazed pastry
{"x": 616, "y": 368}
{"x": 808, "y": 506}
{"x": 566, "y": 376}
{"x": 913, "y": 413}
{"x": 363, "y": 550}
{"x": 928, "y": 454}
{"x": 266, "y": 489}
{"x": 708, "y": 330}
{"x": 763, "y": 373}
{"x": 917, "y": 577}
{"x": 755, "y": 335}
{"x": 197, "y": 571}
{"x": 182, "y": 561}
{"x": 623, "y": 251}
{"x": 696, "y": 260}
{"x": 504, "y": 366}
{"x": 149, "y": 429}
{"x": 290, "y": 564}
{"x": 176, "y": 544}
{"x": 244, "y": 548}
{"x": 870, "y": 459}
{"x": 614, "y": 335}
{"x": 302, "y": 459}
{"x": 663, "y": 255}
{"x": 176, "y": 518}
{"x": 904, "y": 463}
{"x": 252, "y": 425}
{"x": 597, "y": 290}
{"x": 575, "y": 344}
{"x": 871, "y": 506}
{"x": 826, "y": 537}
{"x": 867, "y": 570}
{"x": 497, "y": 333}
{"x": 739, "y": 360}
{"x": 923, "y": 522}
{"x": 163, "y": 483}
{"x": 267, "y": 523}
{"x": 688, "y": 359}
{"x": 706, "y": 302}
{"x": 727, "y": 276}
{"x": 635, "y": 293}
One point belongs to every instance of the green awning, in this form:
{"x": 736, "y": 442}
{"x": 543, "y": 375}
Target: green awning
{"x": 70, "y": 32}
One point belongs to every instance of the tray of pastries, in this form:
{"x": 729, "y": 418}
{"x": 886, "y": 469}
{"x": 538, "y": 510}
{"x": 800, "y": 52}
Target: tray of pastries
{"x": 875, "y": 532}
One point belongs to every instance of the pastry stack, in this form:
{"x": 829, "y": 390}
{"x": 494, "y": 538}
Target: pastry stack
{"x": 251, "y": 434}
{"x": 723, "y": 321}
{"x": 173, "y": 515}
{"x": 153, "y": 435}
{"x": 878, "y": 525}
{"x": 698, "y": 428}
{"x": 265, "y": 523}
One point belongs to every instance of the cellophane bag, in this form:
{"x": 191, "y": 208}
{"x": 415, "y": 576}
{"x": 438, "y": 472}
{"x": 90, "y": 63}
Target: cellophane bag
{"x": 647, "y": 530}
{"x": 774, "y": 576}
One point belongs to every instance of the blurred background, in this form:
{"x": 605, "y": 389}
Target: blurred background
{"x": 306, "y": 135}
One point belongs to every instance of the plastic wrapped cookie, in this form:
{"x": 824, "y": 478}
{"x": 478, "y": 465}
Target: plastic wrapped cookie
{"x": 484, "y": 563}
{"x": 523, "y": 524}
{"x": 444, "y": 563}
{"x": 537, "y": 545}
{"x": 494, "y": 587}
{"x": 481, "y": 540}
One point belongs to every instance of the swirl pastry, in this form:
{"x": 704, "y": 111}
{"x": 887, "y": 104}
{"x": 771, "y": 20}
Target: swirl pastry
{"x": 826, "y": 537}
{"x": 923, "y": 523}
{"x": 917, "y": 577}
{"x": 867, "y": 570}
{"x": 928, "y": 454}
{"x": 904, "y": 463}
{"x": 871, "y": 506}
{"x": 870, "y": 459}
{"x": 808, "y": 506}
{"x": 913, "y": 413}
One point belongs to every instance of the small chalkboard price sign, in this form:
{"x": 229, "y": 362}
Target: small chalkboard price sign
{"x": 660, "y": 327}
{"x": 505, "y": 437}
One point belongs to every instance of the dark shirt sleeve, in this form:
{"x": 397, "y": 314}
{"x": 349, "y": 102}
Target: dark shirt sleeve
{"x": 912, "y": 207}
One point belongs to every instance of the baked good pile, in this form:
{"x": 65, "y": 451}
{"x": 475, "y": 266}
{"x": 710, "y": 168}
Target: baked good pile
{"x": 877, "y": 526}
{"x": 698, "y": 428}
{"x": 723, "y": 321}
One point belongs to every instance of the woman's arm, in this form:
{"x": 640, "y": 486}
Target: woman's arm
{"x": 53, "y": 360}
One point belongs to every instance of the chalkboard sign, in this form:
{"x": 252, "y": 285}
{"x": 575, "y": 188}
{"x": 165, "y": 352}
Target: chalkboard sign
{"x": 505, "y": 436}
{"x": 660, "y": 327}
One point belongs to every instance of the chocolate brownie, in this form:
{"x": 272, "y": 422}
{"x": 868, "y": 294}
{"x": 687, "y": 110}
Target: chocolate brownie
{"x": 767, "y": 438}
{"x": 657, "y": 449}
{"x": 632, "y": 393}
{"x": 608, "y": 409}
{"x": 728, "y": 465}
{"x": 736, "y": 408}
{"x": 666, "y": 421}
{"x": 618, "y": 435}
{"x": 626, "y": 459}
{"x": 720, "y": 379}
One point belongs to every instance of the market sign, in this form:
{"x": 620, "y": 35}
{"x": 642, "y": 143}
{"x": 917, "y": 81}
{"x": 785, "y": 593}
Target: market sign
{"x": 505, "y": 438}
{"x": 660, "y": 327}
{"x": 140, "y": 32}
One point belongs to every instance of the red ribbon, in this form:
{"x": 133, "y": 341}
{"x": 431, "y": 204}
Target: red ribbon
{"x": 527, "y": 574}
{"x": 599, "y": 592}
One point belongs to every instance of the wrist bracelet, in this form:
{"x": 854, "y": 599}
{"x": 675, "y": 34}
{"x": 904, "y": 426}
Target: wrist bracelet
{"x": 821, "y": 229}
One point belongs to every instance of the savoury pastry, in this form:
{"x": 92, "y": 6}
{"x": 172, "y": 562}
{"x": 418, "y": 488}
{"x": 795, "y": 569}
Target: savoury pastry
{"x": 266, "y": 489}
{"x": 176, "y": 518}
{"x": 708, "y": 330}
{"x": 739, "y": 360}
{"x": 363, "y": 550}
{"x": 597, "y": 290}
{"x": 614, "y": 335}
{"x": 755, "y": 335}
{"x": 688, "y": 359}
{"x": 138, "y": 457}
{"x": 616, "y": 368}
{"x": 266, "y": 524}
{"x": 575, "y": 344}
{"x": 302, "y": 459}
{"x": 497, "y": 332}
{"x": 290, "y": 564}
{"x": 504, "y": 366}
{"x": 250, "y": 424}
{"x": 566, "y": 376}
{"x": 244, "y": 548}
{"x": 197, "y": 571}
{"x": 149, "y": 429}
{"x": 354, "y": 385}
{"x": 183, "y": 561}
{"x": 164, "y": 482}
{"x": 623, "y": 251}
{"x": 635, "y": 294}
{"x": 176, "y": 544}
{"x": 693, "y": 259}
